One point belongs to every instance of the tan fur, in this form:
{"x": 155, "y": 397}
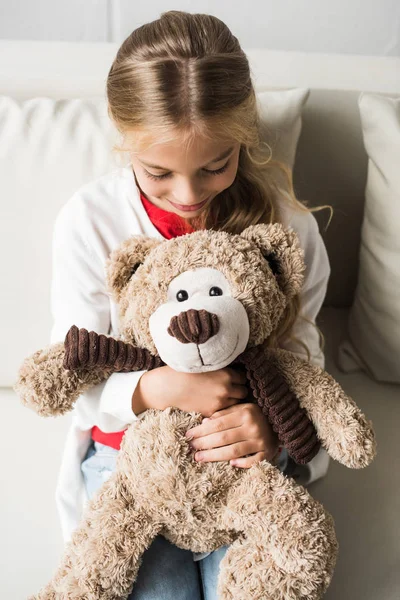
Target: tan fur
{"x": 260, "y": 294}
{"x": 342, "y": 428}
{"x": 282, "y": 541}
{"x": 45, "y": 386}
{"x": 199, "y": 507}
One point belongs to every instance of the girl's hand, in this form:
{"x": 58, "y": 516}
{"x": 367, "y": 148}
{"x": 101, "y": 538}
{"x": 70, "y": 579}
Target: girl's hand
{"x": 233, "y": 433}
{"x": 205, "y": 393}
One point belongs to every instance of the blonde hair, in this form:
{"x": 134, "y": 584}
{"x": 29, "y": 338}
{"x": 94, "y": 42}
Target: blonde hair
{"x": 186, "y": 74}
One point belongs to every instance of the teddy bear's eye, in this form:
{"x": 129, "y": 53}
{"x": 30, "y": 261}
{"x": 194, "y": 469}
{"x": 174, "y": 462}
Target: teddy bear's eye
{"x": 135, "y": 268}
{"x": 182, "y": 295}
{"x": 215, "y": 291}
{"x": 273, "y": 263}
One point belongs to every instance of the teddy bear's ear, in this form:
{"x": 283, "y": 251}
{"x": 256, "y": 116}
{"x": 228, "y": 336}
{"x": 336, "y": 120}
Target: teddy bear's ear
{"x": 125, "y": 260}
{"x": 281, "y": 248}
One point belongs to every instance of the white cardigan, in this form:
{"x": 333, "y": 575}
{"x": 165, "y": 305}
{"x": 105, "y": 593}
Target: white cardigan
{"x": 95, "y": 221}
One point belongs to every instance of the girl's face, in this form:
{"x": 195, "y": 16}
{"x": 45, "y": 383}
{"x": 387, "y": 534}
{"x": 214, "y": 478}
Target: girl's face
{"x": 184, "y": 180}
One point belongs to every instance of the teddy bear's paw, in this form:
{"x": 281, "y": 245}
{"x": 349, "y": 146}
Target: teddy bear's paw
{"x": 356, "y": 445}
{"x": 38, "y": 382}
{"x": 248, "y": 571}
{"x": 44, "y": 385}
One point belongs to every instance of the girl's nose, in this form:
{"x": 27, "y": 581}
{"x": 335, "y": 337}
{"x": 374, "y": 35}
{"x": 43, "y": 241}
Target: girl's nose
{"x": 188, "y": 193}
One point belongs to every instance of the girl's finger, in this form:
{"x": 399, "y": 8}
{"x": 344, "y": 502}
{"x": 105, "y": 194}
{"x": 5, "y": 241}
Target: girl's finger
{"x": 235, "y": 408}
{"x": 226, "y": 437}
{"x": 233, "y": 451}
{"x": 248, "y": 461}
{"x": 209, "y": 425}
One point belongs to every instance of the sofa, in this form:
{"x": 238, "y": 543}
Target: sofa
{"x": 330, "y": 168}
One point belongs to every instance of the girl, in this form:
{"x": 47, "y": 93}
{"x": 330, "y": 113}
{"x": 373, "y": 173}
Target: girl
{"x": 180, "y": 93}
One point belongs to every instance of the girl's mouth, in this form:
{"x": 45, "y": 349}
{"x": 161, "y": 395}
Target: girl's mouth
{"x": 189, "y": 207}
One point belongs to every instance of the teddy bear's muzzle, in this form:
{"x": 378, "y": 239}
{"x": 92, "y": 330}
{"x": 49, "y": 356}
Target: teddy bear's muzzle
{"x": 194, "y": 326}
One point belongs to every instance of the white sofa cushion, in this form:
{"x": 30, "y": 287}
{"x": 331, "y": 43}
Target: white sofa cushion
{"x": 280, "y": 113}
{"x": 374, "y": 322}
{"x": 49, "y": 149}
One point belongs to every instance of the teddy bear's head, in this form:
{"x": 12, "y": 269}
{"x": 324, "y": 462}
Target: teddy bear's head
{"x": 199, "y": 300}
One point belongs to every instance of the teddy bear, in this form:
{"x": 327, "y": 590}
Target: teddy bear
{"x": 197, "y": 303}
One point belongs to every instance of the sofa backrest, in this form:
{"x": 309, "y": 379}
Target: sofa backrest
{"x": 330, "y": 167}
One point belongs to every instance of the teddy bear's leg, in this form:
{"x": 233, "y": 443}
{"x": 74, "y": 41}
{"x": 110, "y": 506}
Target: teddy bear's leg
{"x": 286, "y": 548}
{"x": 46, "y": 386}
{"x": 341, "y": 426}
{"x": 102, "y": 560}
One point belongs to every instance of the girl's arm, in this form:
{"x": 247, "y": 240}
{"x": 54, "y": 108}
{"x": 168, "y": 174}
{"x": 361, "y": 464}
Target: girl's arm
{"x": 314, "y": 289}
{"x": 312, "y": 296}
{"x": 79, "y": 297}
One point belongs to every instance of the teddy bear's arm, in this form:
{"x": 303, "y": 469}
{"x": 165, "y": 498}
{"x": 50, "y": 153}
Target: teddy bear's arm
{"x": 46, "y": 386}
{"x": 341, "y": 427}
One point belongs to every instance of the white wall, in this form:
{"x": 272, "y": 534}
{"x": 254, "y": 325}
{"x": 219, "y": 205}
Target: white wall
{"x": 368, "y": 27}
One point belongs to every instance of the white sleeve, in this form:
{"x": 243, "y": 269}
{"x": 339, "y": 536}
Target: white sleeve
{"x": 312, "y": 296}
{"x": 79, "y": 297}
{"x": 314, "y": 289}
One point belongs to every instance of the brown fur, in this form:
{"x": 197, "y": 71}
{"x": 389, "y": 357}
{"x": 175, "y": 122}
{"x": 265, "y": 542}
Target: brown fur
{"x": 283, "y": 544}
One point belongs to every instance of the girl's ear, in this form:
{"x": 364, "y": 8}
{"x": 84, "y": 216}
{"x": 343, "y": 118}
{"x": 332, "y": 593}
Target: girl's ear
{"x": 281, "y": 248}
{"x": 125, "y": 260}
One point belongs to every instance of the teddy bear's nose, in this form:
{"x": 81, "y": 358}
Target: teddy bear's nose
{"x": 194, "y": 326}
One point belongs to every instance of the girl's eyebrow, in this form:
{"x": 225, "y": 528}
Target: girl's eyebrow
{"x": 214, "y": 160}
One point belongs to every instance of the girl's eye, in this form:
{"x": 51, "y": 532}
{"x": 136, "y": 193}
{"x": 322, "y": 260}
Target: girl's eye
{"x": 218, "y": 171}
{"x": 157, "y": 177}
{"x": 166, "y": 175}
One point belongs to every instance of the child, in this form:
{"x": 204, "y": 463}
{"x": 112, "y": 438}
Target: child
{"x": 181, "y": 95}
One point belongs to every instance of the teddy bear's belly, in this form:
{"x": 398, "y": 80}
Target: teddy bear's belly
{"x": 194, "y": 507}
{"x": 164, "y": 477}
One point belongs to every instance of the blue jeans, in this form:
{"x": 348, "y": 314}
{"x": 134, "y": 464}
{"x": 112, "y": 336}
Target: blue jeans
{"x": 167, "y": 572}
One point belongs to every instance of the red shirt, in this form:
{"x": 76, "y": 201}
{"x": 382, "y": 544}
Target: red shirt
{"x": 169, "y": 225}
